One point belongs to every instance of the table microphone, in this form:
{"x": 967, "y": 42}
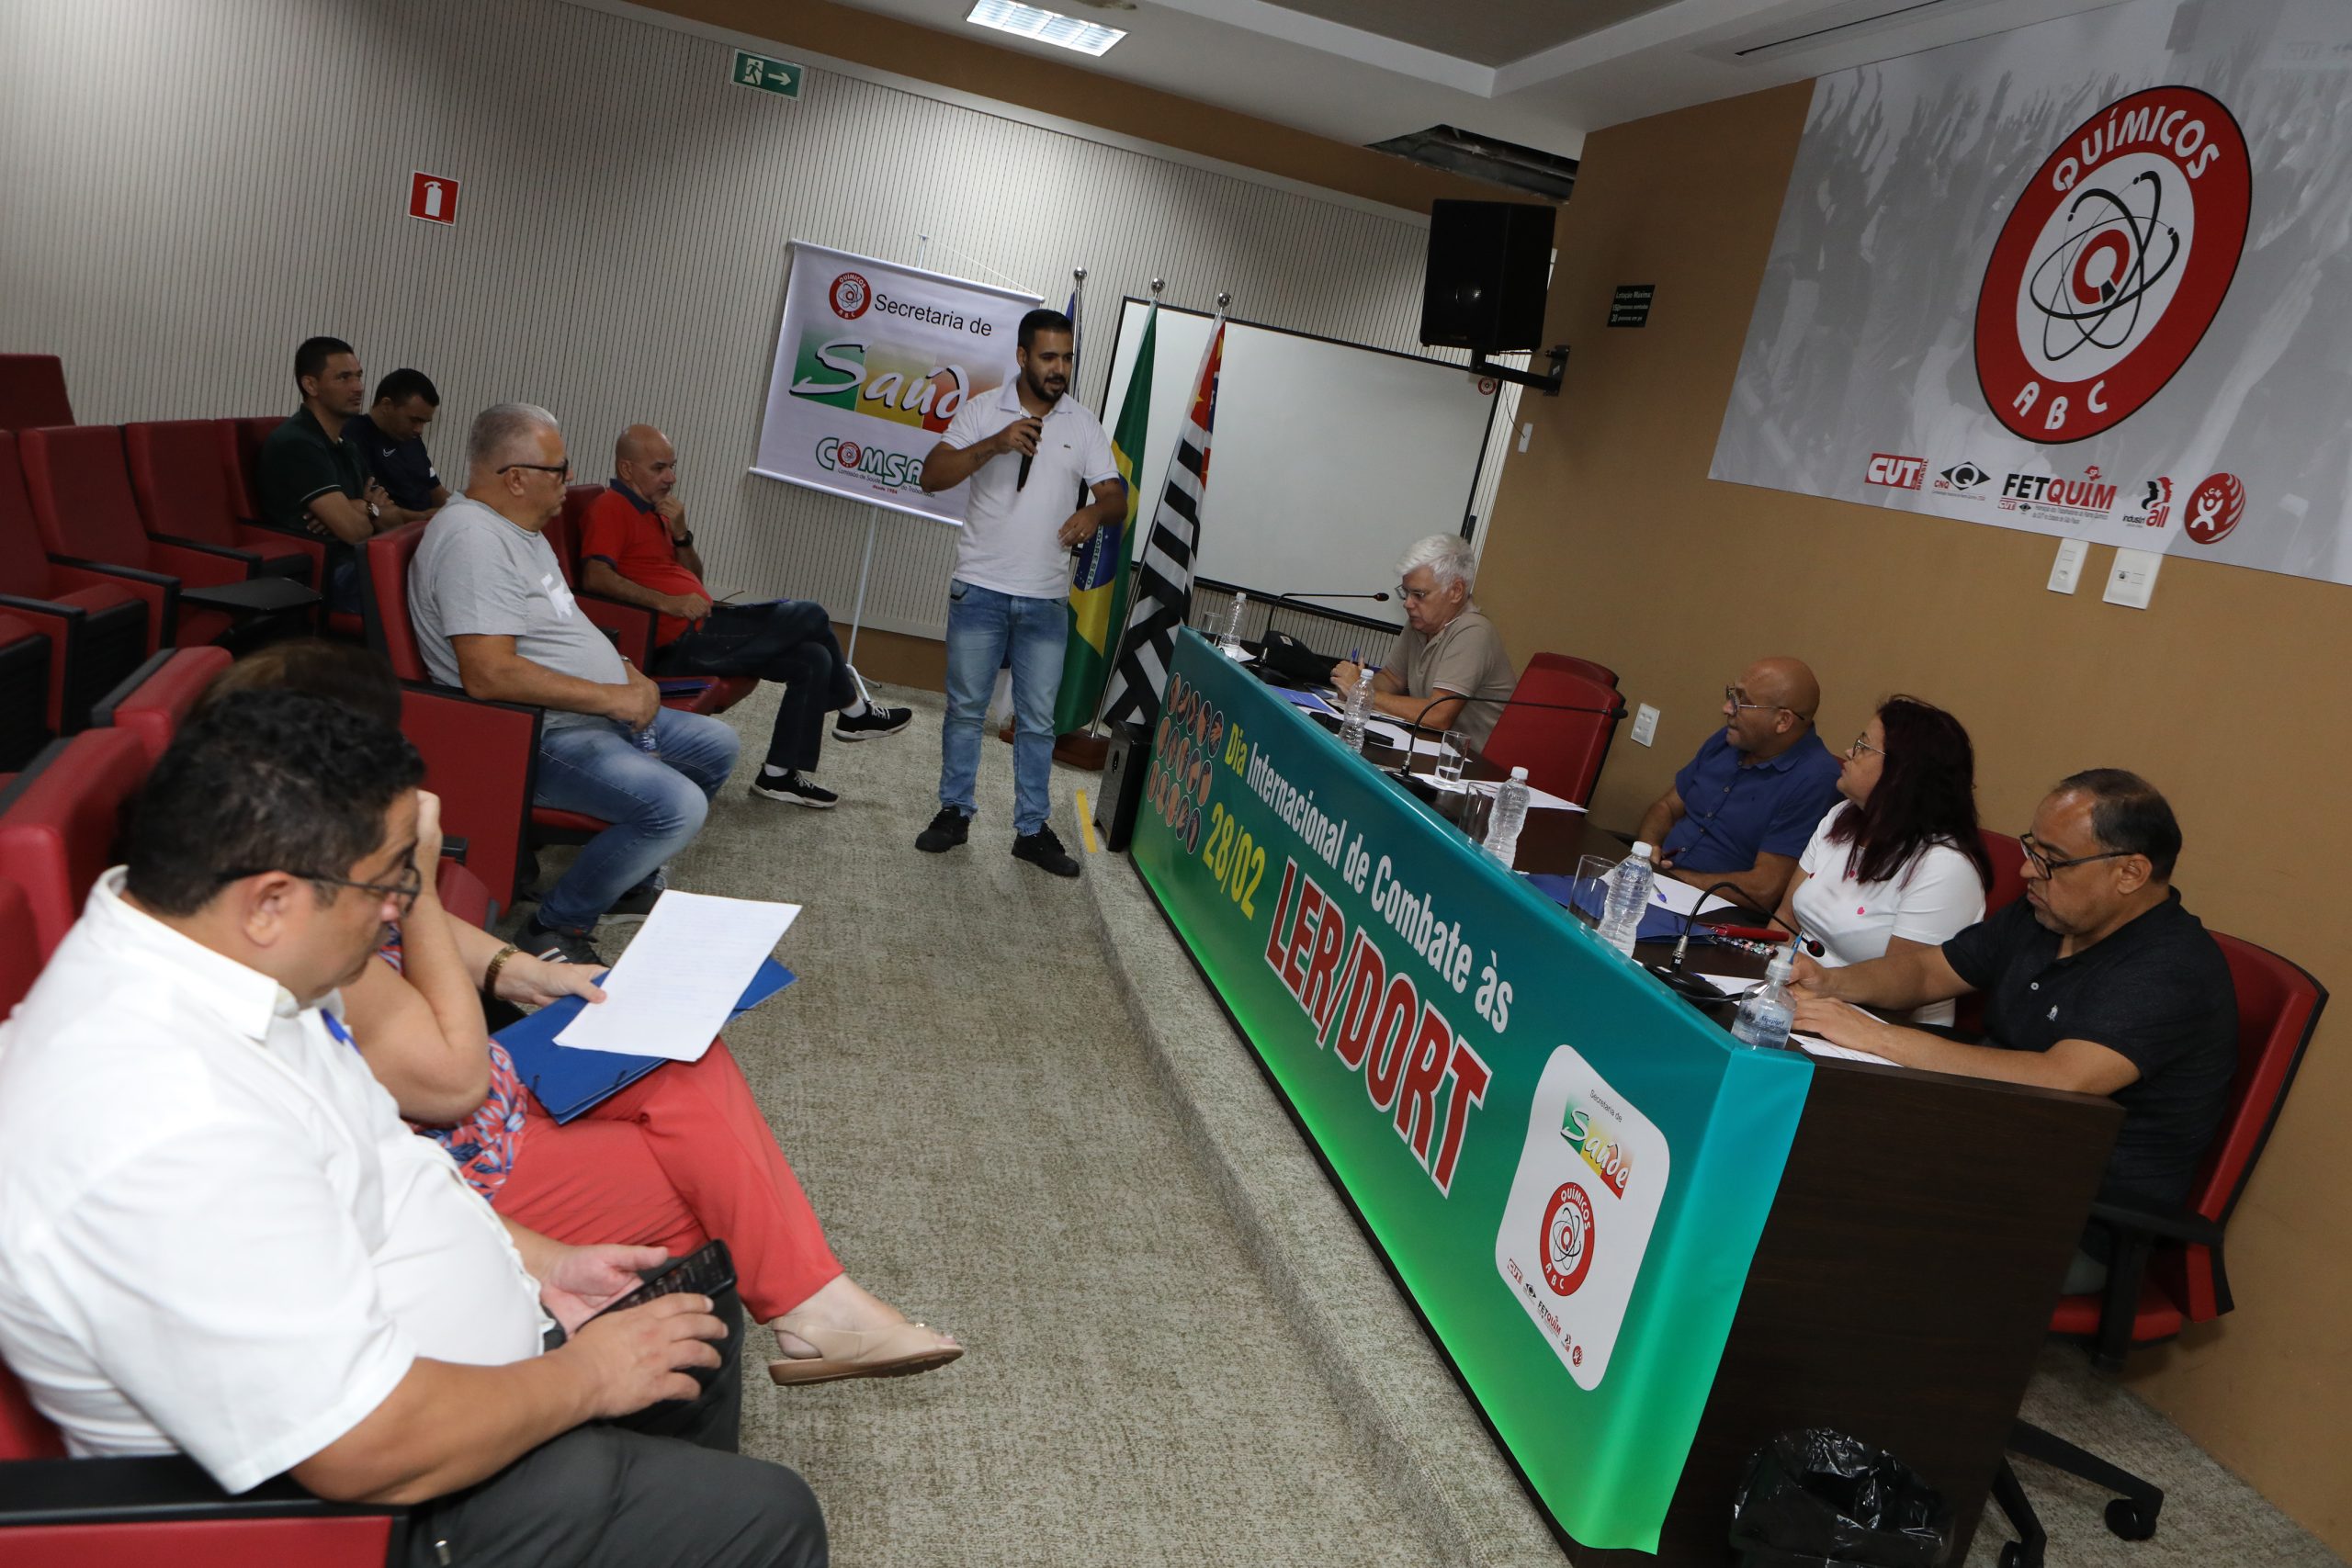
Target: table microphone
{"x": 1377, "y": 598}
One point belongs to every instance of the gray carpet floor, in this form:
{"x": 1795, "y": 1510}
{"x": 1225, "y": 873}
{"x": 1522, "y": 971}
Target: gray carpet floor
{"x": 961, "y": 1092}
{"x": 996, "y": 1147}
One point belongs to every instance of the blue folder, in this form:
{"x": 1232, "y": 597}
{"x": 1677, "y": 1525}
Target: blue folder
{"x": 568, "y": 1082}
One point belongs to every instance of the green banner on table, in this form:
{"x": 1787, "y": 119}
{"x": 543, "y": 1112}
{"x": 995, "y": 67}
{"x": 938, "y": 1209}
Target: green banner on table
{"x": 1568, "y": 1166}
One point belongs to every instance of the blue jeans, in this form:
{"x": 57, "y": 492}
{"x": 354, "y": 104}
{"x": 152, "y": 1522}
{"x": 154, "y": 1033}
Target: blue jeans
{"x": 655, "y": 805}
{"x": 981, "y": 624}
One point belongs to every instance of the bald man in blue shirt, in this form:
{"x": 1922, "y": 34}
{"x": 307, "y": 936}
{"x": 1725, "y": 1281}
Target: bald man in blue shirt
{"x": 1742, "y": 809}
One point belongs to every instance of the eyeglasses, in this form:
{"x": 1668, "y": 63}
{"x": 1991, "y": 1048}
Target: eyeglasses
{"x": 1861, "y": 744}
{"x": 2050, "y": 867}
{"x": 402, "y": 892}
{"x": 1413, "y": 595}
{"x": 560, "y": 470}
{"x": 1738, "y": 699}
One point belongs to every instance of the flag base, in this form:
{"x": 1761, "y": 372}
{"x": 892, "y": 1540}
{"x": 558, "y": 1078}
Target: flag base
{"x": 1079, "y": 748}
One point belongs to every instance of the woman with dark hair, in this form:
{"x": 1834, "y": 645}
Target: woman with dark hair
{"x": 1900, "y": 863}
{"x": 678, "y": 1156}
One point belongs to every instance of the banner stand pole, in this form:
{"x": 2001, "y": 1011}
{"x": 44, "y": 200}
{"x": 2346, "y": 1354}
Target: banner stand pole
{"x": 857, "y": 614}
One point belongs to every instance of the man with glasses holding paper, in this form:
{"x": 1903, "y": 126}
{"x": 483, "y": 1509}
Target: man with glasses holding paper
{"x": 1448, "y": 648}
{"x": 1748, "y": 804}
{"x": 494, "y": 615}
{"x": 2097, "y": 981}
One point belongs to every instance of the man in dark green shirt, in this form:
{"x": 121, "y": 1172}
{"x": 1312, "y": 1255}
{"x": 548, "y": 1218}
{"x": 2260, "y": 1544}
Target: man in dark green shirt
{"x": 310, "y": 478}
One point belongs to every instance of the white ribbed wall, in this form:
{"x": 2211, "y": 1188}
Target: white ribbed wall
{"x": 192, "y": 186}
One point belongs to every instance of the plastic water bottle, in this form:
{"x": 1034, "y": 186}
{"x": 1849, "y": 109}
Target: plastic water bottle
{"x": 1352, "y": 721}
{"x": 1509, "y": 814}
{"x": 1764, "y": 1018}
{"x": 1629, "y": 899}
{"x": 647, "y": 740}
{"x": 1230, "y": 643}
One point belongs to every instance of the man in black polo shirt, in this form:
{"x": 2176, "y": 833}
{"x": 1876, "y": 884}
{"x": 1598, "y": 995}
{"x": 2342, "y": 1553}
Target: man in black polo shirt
{"x": 310, "y": 479}
{"x": 390, "y": 440}
{"x": 2098, "y": 981}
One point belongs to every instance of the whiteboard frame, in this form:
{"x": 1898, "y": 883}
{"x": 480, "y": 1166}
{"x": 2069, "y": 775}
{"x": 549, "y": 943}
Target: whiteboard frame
{"x": 1156, "y": 483}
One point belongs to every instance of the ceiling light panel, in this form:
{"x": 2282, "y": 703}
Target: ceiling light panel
{"x": 1044, "y": 27}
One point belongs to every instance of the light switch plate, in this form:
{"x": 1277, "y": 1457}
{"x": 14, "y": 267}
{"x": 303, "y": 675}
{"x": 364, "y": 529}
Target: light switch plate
{"x": 1644, "y": 724}
{"x": 2067, "y": 569}
{"x": 2131, "y": 582}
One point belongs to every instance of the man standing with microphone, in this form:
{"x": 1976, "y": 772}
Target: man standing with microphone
{"x": 1042, "y": 480}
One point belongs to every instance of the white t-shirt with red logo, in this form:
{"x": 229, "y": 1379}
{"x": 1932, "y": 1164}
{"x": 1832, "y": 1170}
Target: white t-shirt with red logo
{"x": 1935, "y": 898}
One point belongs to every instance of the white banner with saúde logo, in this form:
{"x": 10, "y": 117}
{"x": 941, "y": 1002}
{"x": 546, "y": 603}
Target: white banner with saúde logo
{"x": 871, "y": 362}
{"x": 2089, "y": 278}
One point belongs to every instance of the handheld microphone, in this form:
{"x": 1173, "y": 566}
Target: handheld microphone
{"x": 1023, "y": 482}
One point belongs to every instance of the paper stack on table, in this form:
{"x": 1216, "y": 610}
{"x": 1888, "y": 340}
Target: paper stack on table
{"x": 1820, "y": 1047}
{"x": 675, "y": 986}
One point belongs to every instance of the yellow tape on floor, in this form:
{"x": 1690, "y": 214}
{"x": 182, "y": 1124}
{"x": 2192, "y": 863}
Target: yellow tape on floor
{"x": 1086, "y": 822}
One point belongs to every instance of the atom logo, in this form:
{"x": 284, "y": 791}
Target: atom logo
{"x": 850, "y": 296}
{"x": 2093, "y": 289}
{"x": 1567, "y": 1239}
{"x": 2215, "y": 507}
{"x": 2114, "y": 261}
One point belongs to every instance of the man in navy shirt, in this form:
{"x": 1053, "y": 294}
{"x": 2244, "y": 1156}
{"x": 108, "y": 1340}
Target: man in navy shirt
{"x": 1744, "y": 809}
{"x": 2097, "y": 981}
{"x": 389, "y": 439}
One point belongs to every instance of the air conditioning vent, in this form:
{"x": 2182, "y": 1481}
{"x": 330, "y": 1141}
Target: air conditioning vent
{"x": 1832, "y": 27}
{"x": 1546, "y": 174}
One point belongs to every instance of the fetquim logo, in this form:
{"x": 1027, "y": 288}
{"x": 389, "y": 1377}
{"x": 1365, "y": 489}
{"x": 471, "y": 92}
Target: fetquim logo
{"x": 2113, "y": 262}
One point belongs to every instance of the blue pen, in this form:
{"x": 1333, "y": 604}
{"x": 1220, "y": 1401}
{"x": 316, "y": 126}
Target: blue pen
{"x": 1355, "y": 654}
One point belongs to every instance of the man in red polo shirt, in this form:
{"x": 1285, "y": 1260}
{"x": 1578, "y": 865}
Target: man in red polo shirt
{"x": 637, "y": 548}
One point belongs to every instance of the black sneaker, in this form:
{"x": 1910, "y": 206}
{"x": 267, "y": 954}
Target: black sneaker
{"x": 948, "y": 829}
{"x": 1043, "y": 849}
{"x": 796, "y": 790}
{"x": 556, "y": 947}
{"x": 633, "y": 906}
{"x": 873, "y": 724}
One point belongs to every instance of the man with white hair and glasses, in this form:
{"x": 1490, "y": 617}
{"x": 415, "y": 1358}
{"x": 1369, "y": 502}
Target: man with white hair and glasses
{"x": 1448, "y": 647}
{"x": 494, "y": 615}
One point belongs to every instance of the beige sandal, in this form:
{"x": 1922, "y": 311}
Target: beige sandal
{"x": 898, "y": 1351}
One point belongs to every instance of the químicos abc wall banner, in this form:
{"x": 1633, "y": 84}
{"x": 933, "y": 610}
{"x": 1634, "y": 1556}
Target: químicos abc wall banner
{"x": 872, "y": 363}
{"x": 2085, "y": 278}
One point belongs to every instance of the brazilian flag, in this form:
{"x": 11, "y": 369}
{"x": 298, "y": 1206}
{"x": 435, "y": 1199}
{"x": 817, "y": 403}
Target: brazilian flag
{"x": 1098, "y": 584}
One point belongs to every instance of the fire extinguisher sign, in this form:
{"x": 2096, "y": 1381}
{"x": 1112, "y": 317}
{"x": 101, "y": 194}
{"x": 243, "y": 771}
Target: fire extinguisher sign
{"x": 432, "y": 197}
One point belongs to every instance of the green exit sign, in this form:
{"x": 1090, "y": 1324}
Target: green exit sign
{"x": 780, "y": 76}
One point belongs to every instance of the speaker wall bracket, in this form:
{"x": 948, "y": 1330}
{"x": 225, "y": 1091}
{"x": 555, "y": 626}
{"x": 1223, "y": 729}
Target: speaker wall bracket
{"x": 1548, "y": 383}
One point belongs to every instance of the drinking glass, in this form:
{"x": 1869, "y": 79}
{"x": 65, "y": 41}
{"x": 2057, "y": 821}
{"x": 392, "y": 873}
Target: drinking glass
{"x": 1453, "y": 759}
{"x": 1590, "y": 889}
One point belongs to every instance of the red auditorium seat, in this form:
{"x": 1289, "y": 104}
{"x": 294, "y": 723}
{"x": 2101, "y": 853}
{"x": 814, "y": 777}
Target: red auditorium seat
{"x": 32, "y": 392}
{"x": 2008, "y": 856}
{"x": 24, "y": 691}
{"x": 631, "y": 627}
{"x": 481, "y": 758}
{"x": 1574, "y": 666}
{"x": 59, "y": 822}
{"x": 245, "y": 436}
{"x": 84, "y": 506}
{"x": 152, "y": 699}
{"x": 180, "y": 472}
{"x": 57, "y": 1512}
{"x": 2166, "y": 1272}
{"x": 95, "y": 622}
{"x": 1562, "y": 750}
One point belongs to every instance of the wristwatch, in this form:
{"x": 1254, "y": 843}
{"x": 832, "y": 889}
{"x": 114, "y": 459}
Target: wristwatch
{"x": 685, "y": 541}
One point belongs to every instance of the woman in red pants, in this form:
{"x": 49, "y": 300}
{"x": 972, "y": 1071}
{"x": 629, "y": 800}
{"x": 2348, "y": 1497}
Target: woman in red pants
{"x": 678, "y": 1156}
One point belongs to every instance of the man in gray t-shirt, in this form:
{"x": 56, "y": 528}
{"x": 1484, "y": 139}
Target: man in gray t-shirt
{"x": 1448, "y": 670}
{"x": 492, "y": 613}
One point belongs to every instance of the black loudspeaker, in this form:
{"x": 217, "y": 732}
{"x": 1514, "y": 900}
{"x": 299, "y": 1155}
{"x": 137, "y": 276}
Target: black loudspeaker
{"x": 1489, "y": 268}
{"x": 1123, "y": 767}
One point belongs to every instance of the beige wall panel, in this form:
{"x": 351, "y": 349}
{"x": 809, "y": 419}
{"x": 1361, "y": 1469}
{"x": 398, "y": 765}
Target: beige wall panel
{"x": 1609, "y": 540}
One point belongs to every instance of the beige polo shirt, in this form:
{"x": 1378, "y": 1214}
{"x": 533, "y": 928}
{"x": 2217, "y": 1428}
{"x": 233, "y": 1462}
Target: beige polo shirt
{"x": 1466, "y": 657}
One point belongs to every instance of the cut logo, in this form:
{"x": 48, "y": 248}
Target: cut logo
{"x": 1896, "y": 472}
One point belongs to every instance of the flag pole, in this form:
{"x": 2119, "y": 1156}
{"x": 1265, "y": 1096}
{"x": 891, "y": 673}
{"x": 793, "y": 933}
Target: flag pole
{"x": 1119, "y": 645}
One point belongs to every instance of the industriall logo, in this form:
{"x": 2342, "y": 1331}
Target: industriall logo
{"x": 850, "y": 296}
{"x": 2112, "y": 264}
{"x": 2154, "y": 508}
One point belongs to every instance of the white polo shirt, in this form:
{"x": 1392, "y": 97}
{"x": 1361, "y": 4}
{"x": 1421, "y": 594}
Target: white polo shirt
{"x": 216, "y": 1234}
{"x": 1009, "y": 540}
{"x": 1931, "y": 900}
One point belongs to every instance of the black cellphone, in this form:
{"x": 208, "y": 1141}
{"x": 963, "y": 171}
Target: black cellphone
{"x": 705, "y": 1272}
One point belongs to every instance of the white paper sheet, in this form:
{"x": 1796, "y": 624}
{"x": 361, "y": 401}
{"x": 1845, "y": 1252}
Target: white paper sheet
{"x": 1683, "y": 898}
{"x": 1820, "y": 1047}
{"x": 1729, "y": 984}
{"x": 681, "y": 978}
{"x": 1537, "y": 799}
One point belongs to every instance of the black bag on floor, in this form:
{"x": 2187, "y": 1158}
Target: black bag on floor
{"x": 1815, "y": 1498}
